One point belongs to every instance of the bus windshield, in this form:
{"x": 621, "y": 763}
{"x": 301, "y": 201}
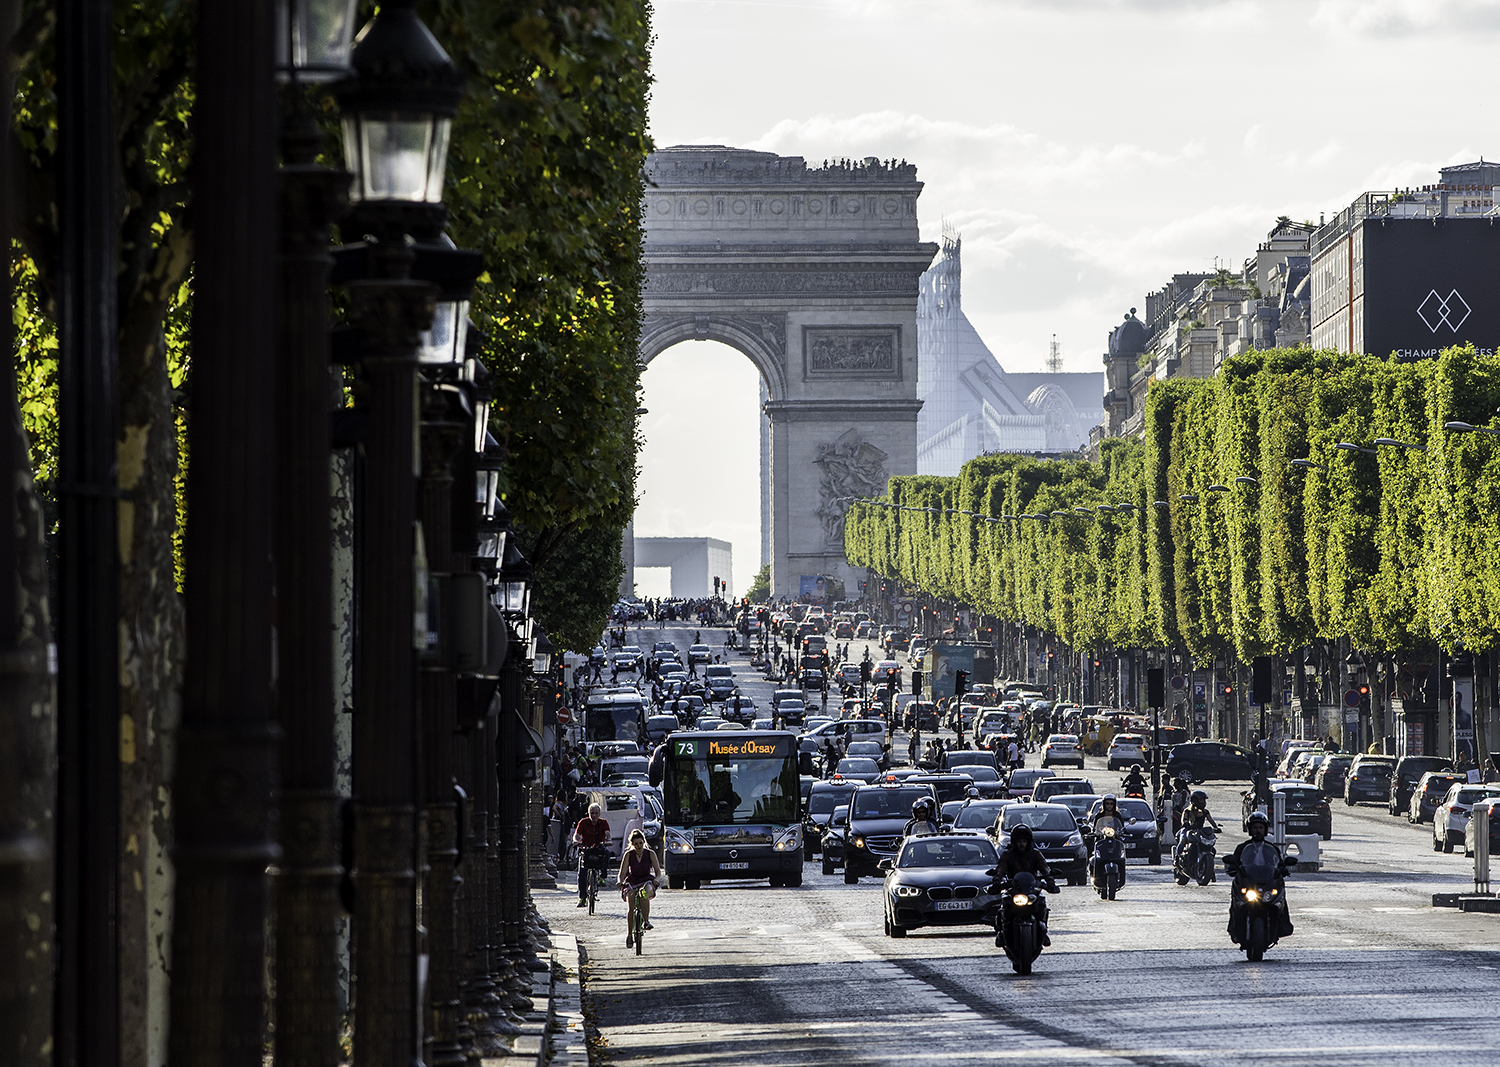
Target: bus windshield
{"x": 613, "y": 722}
{"x": 742, "y": 779}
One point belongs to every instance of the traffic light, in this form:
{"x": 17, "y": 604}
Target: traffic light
{"x": 1228, "y": 689}
{"x": 916, "y": 683}
{"x": 864, "y": 672}
{"x": 960, "y": 683}
{"x": 716, "y": 585}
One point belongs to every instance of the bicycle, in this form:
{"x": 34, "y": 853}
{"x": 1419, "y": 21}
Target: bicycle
{"x": 593, "y": 872}
{"x": 639, "y": 895}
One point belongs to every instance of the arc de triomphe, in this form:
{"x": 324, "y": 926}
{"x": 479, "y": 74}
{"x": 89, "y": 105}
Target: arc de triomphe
{"x": 812, "y": 274}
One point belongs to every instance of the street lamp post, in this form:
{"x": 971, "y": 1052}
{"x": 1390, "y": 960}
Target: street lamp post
{"x": 227, "y": 746}
{"x": 309, "y": 1010}
{"x": 396, "y": 116}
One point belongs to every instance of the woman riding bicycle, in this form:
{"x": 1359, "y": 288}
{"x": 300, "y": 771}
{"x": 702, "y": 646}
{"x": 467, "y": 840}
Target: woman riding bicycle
{"x": 638, "y": 867}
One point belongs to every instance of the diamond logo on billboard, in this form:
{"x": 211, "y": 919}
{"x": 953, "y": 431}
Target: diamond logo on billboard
{"x": 1450, "y": 311}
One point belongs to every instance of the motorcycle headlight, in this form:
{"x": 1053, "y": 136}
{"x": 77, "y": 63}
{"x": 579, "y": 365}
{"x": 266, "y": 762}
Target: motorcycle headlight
{"x": 1252, "y": 895}
{"x": 1020, "y": 900}
{"x": 1273, "y": 892}
{"x": 789, "y": 839}
{"x": 677, "y": 841}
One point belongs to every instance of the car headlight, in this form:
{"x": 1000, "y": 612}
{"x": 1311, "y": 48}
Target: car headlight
{"x": 789, "y": 839}
{"x": 677, "y": 841}
{"x": 1076, "y": 839}
{"x": 908, "y": 891}
{"x": 859, "y": 842}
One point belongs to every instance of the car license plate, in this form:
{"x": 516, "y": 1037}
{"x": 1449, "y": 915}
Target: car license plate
{"x": 954, "y": 905}
{"x": 734, "y": 866}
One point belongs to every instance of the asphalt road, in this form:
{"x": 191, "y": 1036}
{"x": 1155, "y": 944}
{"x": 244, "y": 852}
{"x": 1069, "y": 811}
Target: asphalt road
{"x": 738, "y": 973}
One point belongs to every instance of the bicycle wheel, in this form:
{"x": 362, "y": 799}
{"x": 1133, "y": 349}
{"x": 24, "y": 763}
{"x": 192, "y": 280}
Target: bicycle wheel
{"x": 593, "y": 889}
{"x": 640, "y": 923}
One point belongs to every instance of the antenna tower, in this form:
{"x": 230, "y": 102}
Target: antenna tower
{"x": 1054, "y": 356}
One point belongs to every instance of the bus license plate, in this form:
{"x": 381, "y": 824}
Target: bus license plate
{"x": 734, "y": 866}
{"x": 954, "y": 905}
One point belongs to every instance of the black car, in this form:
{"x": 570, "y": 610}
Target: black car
{"x": 1409, "y": 770}
{"x": 922, "y": 715}
{"x": 1428, "y": 793}
{"x": 946, "y": 787}
{"x": 1331, "y": 773}
{"x": 1142, "y": 835}
{"x": 1307, "y": 810}
{"x": 940, "y": 880}
{"x": 878, "y": 815}
{"x": 977, "y": 814}
{"x": 1056, "y": 834}
{"x": 835, "y": 834}
{"x": 825, "y": 796}
{"x": 1204, "y": 761}
{"x": 1368, "y": 779}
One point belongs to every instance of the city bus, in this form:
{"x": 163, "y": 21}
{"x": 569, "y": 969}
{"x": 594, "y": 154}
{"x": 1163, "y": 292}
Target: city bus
{"x": 733, "y": 802}
{"x": 616, "y": 717}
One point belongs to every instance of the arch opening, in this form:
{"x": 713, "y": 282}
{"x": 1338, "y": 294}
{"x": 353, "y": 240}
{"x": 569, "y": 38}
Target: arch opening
{"x": 703, "y": 467}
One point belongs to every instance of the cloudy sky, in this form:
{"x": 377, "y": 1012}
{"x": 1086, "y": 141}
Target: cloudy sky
{"x": 1086, "y": 149}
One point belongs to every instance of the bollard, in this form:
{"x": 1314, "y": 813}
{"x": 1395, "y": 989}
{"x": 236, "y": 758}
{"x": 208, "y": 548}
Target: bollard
{"x": 1278, "y": 817}
{"x": 1480, "y": 816}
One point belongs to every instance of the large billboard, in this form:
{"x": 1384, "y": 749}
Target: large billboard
{"x": 941, "y": 662}
{"x": 1430, "y": 284}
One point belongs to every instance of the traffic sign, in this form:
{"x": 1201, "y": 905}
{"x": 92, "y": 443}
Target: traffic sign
{"x": 1178, "y": 681}
{"x": 564, "y": 716}
{"x": 1351, "y": 698}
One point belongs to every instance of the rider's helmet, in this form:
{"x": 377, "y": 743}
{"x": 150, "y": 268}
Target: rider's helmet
{"x": 1258, "y": 818}
{"x": 971, "y": 793}
{"x": 1109, "y": 801}
{"x": 919, "y": 806}
{"x": 1135, "y": 768}
{"x": 1021, "y": 836}
{"x": 1199, "y": 798}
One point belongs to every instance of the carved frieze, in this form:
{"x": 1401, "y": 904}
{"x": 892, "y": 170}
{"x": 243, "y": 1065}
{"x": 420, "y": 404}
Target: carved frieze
{"x": 851, "y": 468}
{"x": 666, "y": 279}
{"x": 851, "y": 352}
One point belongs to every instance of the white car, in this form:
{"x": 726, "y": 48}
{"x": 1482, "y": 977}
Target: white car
{"x": 1062, "y": 748}
{"x": 915, "y": 652}
{"x": 1451, "y": 818}
{"x": 1470, "y": 835}
{"x": 1126, "y": 749}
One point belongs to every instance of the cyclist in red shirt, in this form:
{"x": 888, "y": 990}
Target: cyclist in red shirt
{"x": 592, "y": 833}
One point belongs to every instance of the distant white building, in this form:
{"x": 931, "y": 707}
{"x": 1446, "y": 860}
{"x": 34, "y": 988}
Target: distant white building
{"x": 970, "y": 404}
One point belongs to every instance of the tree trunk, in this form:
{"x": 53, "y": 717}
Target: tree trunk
{"x": 151, "y": 656}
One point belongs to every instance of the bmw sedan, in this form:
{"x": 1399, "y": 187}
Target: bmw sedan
{"x": 940, "y": 880}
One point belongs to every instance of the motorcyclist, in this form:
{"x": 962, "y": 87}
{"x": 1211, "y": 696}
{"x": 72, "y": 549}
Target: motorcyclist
{"x": 923, "y": 819}
{"x": 1108, "y": 815}
{"x": 1021, "y": 854}
{"x": 1194, "y": 817}
{"x": 1259, "y": 852}
{"x": 1134, "y": 782}
{"x": 1179, "y": 804}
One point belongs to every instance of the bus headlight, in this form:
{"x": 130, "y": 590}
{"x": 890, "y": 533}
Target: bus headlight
{"x": 677, "y": 841}
{"x": 789, "y": 840}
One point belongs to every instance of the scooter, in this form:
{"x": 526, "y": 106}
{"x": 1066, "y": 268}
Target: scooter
{"x": 1108, "y": 863}
{"x": 1195, "y": 856}
{"x": 1257, "y": 908}
{"x": 1018, "y": 927}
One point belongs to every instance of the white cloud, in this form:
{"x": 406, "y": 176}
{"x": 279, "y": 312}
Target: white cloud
{"x": 1385, "y": 18}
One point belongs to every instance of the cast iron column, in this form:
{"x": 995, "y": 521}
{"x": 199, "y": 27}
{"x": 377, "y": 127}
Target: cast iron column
{"x": 391, "y": 312}
{"x": 449, "y": 1038}
{"x": 87, "y": 1016}
{"x": 308, "y": 1015}
{"x": 487, "y": 1014}
{"x": 227, "y": 745}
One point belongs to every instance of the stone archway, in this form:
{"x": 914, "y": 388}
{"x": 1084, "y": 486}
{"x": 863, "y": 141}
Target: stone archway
{"x": 812, "y": 273}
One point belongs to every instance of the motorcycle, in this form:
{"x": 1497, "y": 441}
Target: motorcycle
{"x": 1195, "y": 857}
{"x": 1108, "y": 863}
{"x": 1018, "y": 927}
{"x": 1257, "y": 908}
